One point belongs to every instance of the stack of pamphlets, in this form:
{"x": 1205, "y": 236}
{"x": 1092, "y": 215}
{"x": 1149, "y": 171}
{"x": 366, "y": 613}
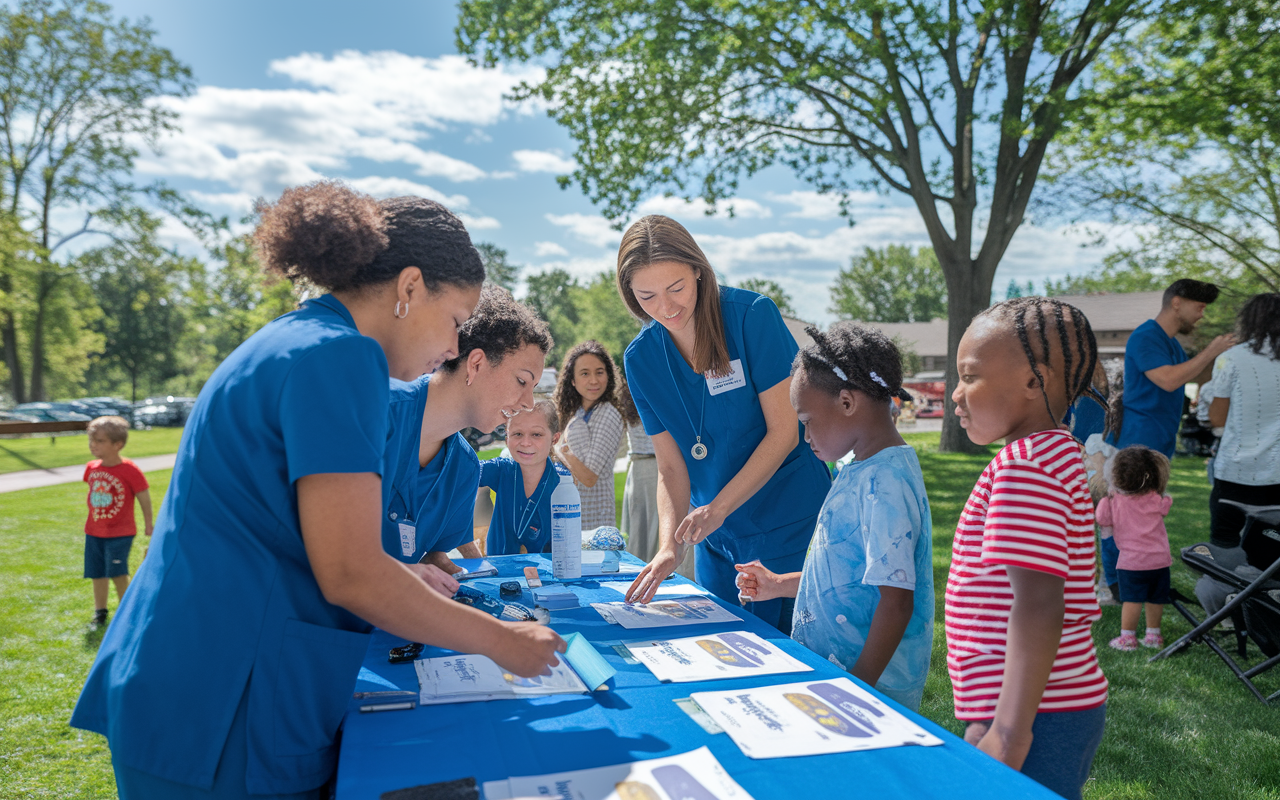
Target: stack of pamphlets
{"x": 664, "y": 613}
{"x": 695, "y": 775}
{"x": 717, "y": 655}
{"x": 468, "y": 678}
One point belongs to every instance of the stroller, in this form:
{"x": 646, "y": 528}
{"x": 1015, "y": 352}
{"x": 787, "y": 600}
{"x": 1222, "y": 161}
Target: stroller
{"x": 1242, "y": 583}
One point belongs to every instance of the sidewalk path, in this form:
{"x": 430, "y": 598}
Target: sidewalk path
{"x": 35, "y": 478}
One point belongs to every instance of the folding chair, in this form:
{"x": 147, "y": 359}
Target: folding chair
{"x": 1255, "y": 606}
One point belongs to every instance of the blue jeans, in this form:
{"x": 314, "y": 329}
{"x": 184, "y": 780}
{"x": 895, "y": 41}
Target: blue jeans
{"x": 1110, "y": 555}
{"x": 1063, "y": 744}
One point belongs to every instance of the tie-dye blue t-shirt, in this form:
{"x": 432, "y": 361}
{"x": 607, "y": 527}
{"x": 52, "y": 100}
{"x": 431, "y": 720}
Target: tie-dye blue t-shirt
{"x": 874, "y": 530}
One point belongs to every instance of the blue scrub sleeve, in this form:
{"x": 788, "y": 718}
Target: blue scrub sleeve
{"x": 491, "y": 473}
{"x": 333, "y": 409}
{"x": 1148, "y": 352}
{"x": 652, "y": 425}
{"x": 770, "y": 347}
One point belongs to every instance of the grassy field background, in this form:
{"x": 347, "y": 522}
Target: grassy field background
{"x": 1180, "y": 728}
{"x": 63, "y": 450}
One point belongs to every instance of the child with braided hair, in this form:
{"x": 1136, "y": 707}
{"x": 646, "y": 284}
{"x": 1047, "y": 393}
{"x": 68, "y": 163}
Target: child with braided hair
{"x": 1020, "y": 603}
{"x": 864, "y": 599}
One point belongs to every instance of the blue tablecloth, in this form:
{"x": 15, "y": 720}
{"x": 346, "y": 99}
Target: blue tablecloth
{"x": 636, "y": 720}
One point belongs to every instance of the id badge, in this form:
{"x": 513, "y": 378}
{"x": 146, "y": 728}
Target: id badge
{"x": 408, "y": 539}
{"x": 734, "y": 380}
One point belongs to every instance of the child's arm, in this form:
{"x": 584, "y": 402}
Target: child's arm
{"x": 1035, "y": 631}
{"x": 757, "y": 583}
{"x": 144, "y": 500}
{"x": 888, "y": 624}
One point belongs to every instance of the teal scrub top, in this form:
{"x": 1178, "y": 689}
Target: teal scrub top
{"x": 437, "y": 501}
{"x": 726, "y": 412}
{"x": 1152, "y": 415}
{"x": 518, "y": 519}
{"x": 226, "y": 606}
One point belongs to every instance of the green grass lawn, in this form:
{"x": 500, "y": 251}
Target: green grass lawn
{"x": 1180, "y": 728}
{"x": 68, "y": 449}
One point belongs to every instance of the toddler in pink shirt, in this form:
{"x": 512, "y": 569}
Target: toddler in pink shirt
{"x": 1135, "y": 509}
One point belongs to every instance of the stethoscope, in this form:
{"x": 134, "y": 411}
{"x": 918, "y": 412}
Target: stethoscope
{"x": 699, "y": 450}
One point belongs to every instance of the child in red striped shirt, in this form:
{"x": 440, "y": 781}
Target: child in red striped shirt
{"x": 1020, "y": 603}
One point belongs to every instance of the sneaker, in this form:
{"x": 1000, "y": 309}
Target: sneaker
{"x": 100, "y": 617}
{"x": 1126, "y": 641}
{"x": 1153, "y": 640}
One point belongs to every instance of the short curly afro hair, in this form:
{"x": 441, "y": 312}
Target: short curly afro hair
{"x": 499, "y": 326}
{"x": 851, "y": 356}
{"x": 343, "y": 240}
{"x": 1138, "y": 470}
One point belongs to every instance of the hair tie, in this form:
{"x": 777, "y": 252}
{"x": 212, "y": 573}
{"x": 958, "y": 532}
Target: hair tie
{"x": 839, "y": 373}
{"x": 879, "y": 380}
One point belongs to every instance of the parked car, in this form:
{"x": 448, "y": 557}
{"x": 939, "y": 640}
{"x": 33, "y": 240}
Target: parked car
{"x": 162, "y": 412}
{"x": 479, "y": 441}
{"x": 10, "y": 416}
{"x": 52, "y": 412}
{"x": 104, "y": 407}
{"x": 547, "y": 383}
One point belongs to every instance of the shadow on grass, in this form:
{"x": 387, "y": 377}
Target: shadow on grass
{"x": 25, "y": 460}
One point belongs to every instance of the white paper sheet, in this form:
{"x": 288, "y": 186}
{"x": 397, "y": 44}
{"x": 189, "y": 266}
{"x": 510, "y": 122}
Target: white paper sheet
{"x": 467, "y": 678}
{"x": 665, "y": 613}
{"x": 720, "y": 655}
{"x": 695, "y": 775}
{"x": 665, "y": 590}
{"x": 810, "y": 718}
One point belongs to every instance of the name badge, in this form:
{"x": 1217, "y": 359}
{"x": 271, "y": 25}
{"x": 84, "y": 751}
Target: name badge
{"x": 408, "y": 539}
{"x": 734, "y": 380}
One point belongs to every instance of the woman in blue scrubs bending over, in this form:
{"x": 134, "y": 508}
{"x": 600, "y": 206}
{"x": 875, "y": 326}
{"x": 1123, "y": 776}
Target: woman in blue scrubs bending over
{"x": 232, "y": 658}
{"x": 710, "y": 377}
{"x": 432, "y": 471}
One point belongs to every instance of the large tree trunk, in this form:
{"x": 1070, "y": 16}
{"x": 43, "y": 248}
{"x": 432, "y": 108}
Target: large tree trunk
{"x": 968, "y": 293}
{"x": 37, "y": 354}
{"x": 13, "y": 360}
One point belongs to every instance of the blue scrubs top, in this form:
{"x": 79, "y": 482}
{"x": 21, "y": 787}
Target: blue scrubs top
{"x": 513, "y": 507}
{"x": 1151, "y": 415}
{"x": 778, "y": 520}
{"x": 226, "y": 606}
{"x": 438, "y": 500}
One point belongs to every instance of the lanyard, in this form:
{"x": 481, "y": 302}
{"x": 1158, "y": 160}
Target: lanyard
{"x": 531, "y": 506}
{"x": 699, "y": 450}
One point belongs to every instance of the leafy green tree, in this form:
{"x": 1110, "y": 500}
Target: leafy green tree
{"x": 551, "y": 294}
{"x": 1188, "y": 143}
{"x": 1016, "y": 289}
{"x": 893, "y": 284}
{"x": 601, "y": 316}
{"x": 497, "y": 268}
{"x": 772, "y": 290}
{"x": 936, "y": 101}
{"x": 77, "y": 96}
{"x": 142, "y": 290}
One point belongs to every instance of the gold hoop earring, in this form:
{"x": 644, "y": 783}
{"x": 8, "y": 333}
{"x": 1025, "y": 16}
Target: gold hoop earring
{"x": 397, "y": 311}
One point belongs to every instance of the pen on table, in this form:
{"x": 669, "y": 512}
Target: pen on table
{"x": 407, "y": 705}
{"x": 396, "y": 693}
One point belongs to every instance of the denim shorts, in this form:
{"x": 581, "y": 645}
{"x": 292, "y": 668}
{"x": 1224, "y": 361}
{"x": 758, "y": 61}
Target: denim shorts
{"x": 1063, "y": 744}
{"x": 106, "y": 557}
{"x": 1144, "y": 586}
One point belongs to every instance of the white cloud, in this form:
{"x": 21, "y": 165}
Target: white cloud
{"x": 590, "y": 228}
{"x": 382, "y": 187}
{"x": 543, "y": 161}
{"x": 479, "y": 223}
{"x": 584, "y": 268}
{"x": 543, "y": 249}
{"x": 818, "y": 206}
{"x": 681, "y": 211}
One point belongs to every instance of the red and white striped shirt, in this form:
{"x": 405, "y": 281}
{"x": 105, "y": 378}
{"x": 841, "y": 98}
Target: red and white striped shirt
{"x": 1029, "y": 509}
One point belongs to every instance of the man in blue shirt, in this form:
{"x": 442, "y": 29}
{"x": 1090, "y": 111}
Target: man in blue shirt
{"x": 1156, "y": 367}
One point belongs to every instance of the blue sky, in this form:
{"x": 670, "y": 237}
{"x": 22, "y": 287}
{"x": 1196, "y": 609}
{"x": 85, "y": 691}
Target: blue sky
{"x": 375, "y": 94}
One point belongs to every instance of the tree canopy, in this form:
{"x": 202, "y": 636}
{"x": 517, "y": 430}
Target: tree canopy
{"x": 772, "y": 290}
{"x": 951, "y": 104}
{"x": 892, "y": 284}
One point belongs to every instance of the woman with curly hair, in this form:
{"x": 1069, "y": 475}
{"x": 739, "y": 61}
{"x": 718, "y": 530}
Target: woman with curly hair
{"x": 432, "y": 472}
{"x": 266, "y": 569}
{"x": 593, "y": 429}
{"x": 1246, "y": 383}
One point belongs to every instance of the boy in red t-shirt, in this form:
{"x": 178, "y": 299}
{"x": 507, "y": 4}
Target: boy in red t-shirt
{"x": 114, "y": 482}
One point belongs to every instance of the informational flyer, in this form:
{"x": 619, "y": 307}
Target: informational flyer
{"x": 665, "y": 613}
{"x": 468, "y": 678}
{"x": 719, "y": 655}
{"x": 810, "y": 718}
{"x": 665, "y": 590}
{"x": 695, "y": 775}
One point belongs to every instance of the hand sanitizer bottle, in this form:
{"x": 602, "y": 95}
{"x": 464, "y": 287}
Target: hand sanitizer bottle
{"x": 566, "y": 529}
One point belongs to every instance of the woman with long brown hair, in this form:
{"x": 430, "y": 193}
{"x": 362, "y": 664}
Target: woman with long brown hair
{"x": 710, "y": 375}
{"x": 593, "y": 429}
